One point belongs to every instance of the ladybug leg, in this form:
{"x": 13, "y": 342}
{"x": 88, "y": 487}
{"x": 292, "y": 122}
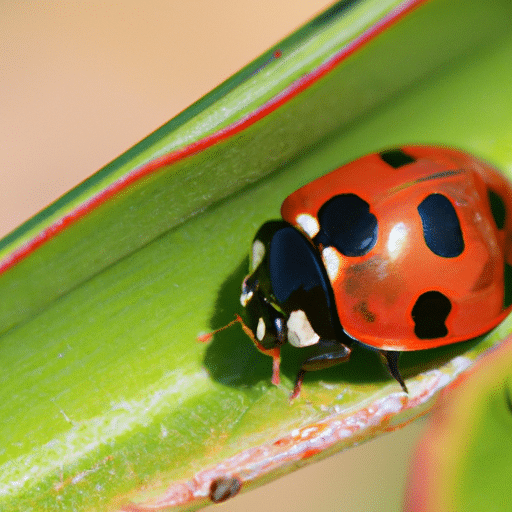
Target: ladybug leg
{"x": 391, "y": 360}
{"x": 267, "y": 328}
{"x": 273, "y": 352}
{"x": 332, "y": 353}
{"x": 298, "y": 384}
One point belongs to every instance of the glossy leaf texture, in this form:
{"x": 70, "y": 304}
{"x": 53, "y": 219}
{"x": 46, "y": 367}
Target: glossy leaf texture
{"x": 108, "y": 400}
{"x": 464, "y": 461}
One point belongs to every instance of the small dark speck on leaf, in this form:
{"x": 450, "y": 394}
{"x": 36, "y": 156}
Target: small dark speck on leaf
{"x": 224, "y": 488}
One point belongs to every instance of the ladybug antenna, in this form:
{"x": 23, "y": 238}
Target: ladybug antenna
{"x": 391, "y": 360}
{"x": 206, "y": 337}
{"x": 275, "y": 352}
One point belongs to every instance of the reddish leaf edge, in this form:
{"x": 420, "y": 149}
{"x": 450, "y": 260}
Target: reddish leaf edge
{"x": 227, "y": 132}
{"x": 425, "y": 464}
{"x": 346, "y": 427}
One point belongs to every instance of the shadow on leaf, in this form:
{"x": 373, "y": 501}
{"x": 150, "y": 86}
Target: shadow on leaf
{"x": 232, "y": 359}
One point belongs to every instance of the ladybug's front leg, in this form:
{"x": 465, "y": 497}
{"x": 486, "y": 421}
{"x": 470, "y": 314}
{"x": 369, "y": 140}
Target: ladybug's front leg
{"x": 329, "y": 353}
{"x": 274, "y": 351}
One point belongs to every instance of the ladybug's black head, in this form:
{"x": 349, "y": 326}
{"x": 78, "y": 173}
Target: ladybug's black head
{"x": 288, "y": 295}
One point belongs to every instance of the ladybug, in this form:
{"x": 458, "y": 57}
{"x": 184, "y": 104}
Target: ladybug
{"x": 397, "y": 251}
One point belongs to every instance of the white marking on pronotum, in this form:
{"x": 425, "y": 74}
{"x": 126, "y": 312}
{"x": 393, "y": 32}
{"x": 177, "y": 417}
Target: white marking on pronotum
{"x": 300, "y": 332}
{"x": 258, "y": 252}
{"x": 308, "y": 223}
{"x": 331, "y": 261}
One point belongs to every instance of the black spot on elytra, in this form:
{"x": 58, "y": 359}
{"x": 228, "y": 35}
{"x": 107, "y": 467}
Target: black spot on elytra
{"x": 441, "y": 226}
{"x": 396, "y": 158}
{"x": 429, "y": 315}
{"x": 347, "y": 224}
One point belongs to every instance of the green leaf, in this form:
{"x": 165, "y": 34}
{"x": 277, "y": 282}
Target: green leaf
{"x": 106, "y": 395}
{"x": 464, "y": 461}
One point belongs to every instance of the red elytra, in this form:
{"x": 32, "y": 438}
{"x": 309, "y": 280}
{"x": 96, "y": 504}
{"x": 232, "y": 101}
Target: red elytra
{"x": 376, "y": 292}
